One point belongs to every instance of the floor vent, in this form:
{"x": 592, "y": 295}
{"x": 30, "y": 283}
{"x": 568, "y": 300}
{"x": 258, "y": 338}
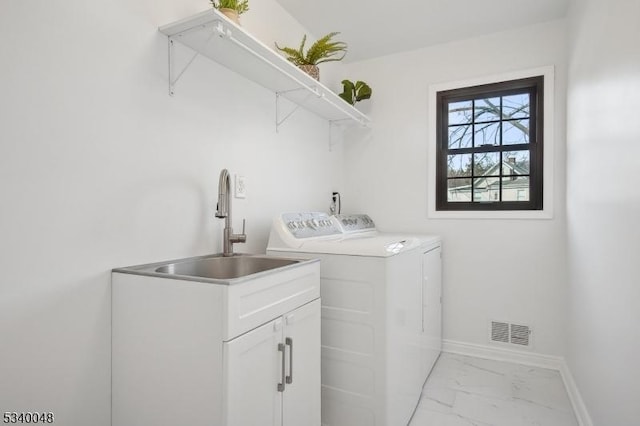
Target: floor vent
{"x": 516, "y": 334}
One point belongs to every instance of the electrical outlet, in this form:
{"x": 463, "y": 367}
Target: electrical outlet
{"x": 241, "y": 187}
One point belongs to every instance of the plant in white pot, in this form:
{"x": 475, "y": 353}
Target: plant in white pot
{"x": 323, "y": 50}
{"x": 232, "y": 9}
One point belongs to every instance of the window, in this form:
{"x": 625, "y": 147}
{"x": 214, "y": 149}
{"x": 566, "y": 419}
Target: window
{"x": 490, "y": 146}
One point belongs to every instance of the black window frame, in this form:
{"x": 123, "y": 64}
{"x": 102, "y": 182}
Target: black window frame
{"x": 532, "y": 85}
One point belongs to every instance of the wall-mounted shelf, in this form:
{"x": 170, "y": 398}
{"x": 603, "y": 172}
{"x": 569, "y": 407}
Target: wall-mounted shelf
{"x": 212, "y": 35}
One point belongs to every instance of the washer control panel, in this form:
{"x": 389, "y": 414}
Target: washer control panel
{"x": 354, "y": 222}
{"x": 311, "y": 224}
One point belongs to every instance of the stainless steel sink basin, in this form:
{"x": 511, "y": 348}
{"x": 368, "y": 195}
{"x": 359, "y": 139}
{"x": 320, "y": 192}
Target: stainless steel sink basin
{"x": 216, "y": 268}
{"x": 225, "y": 267}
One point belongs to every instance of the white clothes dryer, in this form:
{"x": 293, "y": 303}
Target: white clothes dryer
{"x": 381, "y": 313}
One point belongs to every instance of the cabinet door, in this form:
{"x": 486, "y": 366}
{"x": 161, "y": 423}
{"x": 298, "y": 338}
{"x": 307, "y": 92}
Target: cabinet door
{"x": 432, "y": 305}
{"x": 301, "y": 404}
{"x": 253, "y": 366}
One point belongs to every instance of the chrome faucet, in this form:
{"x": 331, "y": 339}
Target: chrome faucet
{"x": 224, "y": 211}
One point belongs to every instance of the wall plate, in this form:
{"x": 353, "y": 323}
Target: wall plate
{"x": 240, "y": 187}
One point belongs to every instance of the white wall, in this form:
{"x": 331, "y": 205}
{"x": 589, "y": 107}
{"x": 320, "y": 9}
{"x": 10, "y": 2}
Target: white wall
{"x": 100, "y": 168}
{"x": 603, "y": 198}
{"x": 509, "y": 270}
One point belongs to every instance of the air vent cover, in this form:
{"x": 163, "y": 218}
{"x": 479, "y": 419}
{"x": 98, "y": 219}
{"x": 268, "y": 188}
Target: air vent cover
{"x": 520, "y": 334}
{"x": 499, "y": 332}
{"x": 515, "y": 334}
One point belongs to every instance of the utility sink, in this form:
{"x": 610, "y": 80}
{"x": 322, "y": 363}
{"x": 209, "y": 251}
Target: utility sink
{"x": 225, "y": 267}
{"x": 215, "y": 268}
{"x": 250, "y": 289}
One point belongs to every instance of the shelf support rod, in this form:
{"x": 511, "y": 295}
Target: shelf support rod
{"x": 279, "y": 120}
{"x": 170, "y": 64}
{"x": 172, "y": 80}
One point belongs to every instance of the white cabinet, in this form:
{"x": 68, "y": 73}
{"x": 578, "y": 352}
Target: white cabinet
{"x": 252, "y": 370}
{"x": 204, "y": 354}
{"x": 431, "y": 307}
{"x": 275, "y": 370}
{"x": 301, "y": 404}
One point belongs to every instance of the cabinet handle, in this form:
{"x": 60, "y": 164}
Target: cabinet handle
{"x": 281, "y": 385}
{"x": 422, "y": 284}
{"x": 289, "y": 341}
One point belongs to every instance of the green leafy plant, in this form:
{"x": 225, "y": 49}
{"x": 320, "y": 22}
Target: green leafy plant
{"x": 239, "y": 6}
{"x": 323, "y": 50}
{"x": 355, "y": 92}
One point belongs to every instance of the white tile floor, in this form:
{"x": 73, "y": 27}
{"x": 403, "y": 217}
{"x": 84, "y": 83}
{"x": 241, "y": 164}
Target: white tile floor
{"x": 467, "y": 391}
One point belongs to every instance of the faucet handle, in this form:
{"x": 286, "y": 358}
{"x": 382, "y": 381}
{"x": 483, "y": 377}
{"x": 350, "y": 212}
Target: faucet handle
{"x": 239, "y": 238}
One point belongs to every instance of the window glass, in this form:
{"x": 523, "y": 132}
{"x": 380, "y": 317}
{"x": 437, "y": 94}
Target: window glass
{"x": 460, "y": 112}
{"x": 487, "y": 109}
{"x": 459, "y": 165}
{"x": 516, "y": 106}
{"x": 486, "y": 134}
{"x": 515, "y": 132}
{"x": 486, "y": 164}
{"x": 460, "y": 136}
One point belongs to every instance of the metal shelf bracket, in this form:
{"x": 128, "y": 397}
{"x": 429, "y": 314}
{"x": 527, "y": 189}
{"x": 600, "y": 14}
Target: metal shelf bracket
{"x": 172, "y": 72}
{"x": 174, "y": 75}
{"x": 281, "y": 119}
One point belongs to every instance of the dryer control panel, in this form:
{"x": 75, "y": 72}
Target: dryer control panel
{"x": 350, "y": 223}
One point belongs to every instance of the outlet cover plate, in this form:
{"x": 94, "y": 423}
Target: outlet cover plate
{"x": 240, "y": 187}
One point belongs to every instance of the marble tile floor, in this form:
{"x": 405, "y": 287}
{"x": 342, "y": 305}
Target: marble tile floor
{"x": 468, "y": 391}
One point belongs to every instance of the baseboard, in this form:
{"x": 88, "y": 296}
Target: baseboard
{"x": 584, "y": 419}
{"x": 526, "y": 358}
{"x": 503, "y": 354}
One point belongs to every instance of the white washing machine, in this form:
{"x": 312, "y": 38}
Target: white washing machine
{"x": 381, "y": 313}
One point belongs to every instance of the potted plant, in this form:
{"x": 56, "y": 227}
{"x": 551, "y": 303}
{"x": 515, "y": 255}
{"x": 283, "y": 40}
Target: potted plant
{"x": 355, "y": 92}
{"x": 323, "y": 50}
{"x": 232, "y": 9}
